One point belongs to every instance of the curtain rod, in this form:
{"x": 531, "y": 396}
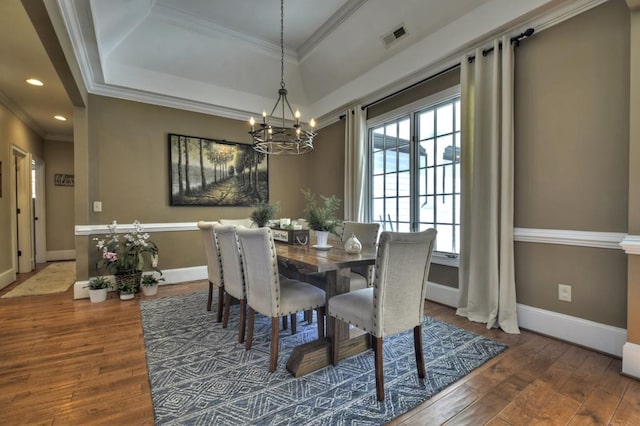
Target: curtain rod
{"x": 514, "y": 40}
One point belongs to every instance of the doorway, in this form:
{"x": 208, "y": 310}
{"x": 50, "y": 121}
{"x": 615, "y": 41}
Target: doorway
{"x": 22, "y": 206}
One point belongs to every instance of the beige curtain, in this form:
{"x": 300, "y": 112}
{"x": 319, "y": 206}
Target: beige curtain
{"x": 354, "y": 161}
{"x": 486, "y": 275}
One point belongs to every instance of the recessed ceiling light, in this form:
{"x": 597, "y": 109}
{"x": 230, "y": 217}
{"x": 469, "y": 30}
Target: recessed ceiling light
{"x": 35, "y": 82}
{"x": 60, "y": 117}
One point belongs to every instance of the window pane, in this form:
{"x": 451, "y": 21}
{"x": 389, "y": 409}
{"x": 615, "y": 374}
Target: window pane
{"x": 392, "y": 132}
{"x": 444, "y": 240}
{"x": 427, "y": 209}
{"x": 404, "y": 227}
{"x": 444, "y": 117}
{"x": 457, "y": 216}
{"x": 446, "y": 184}
{"x": 444, "y": 155}
{"x": 404, "y": 159}
{"x": 457, "y": 112}
{"x": 378, "y": 162}
{"x": 456, "y": 239}
{"x": 378, "y": 186}
{"x": 378, "y": 210}
{"x": 390, "y": 209}
{"x": 390, "y": 185}
{"x": 405, "y": 131}
{"x": 425, "y": 226}
{"x": 426, "y": 125}
{"x": 444, "y": 209}
{"x": 404, "y": 209}
{"x": 391, "y": 160}
{"x": 378, "y": 139}
{"x": 404, "y": 184}
{"x": 427, "y": 149}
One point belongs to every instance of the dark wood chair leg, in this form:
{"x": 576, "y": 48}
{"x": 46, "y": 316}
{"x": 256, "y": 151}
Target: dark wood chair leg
{"x": 225, "y": 315}
{"x": 243, "y": 315}
{"x": 285, "y": 321}
{"x": 275, "y": 335}
{"x": 294, "y": 319}
{"x": 210, "y": 298}
{"x": 320, "y": 320}
{"x": 335, "y": 341}
{"x": 250, "y": 319}
{"x": 417, "y": 343}
{"x": 377, "y": 353}
{"x": 220, "y": 303}
{"x": 308, "y": 316}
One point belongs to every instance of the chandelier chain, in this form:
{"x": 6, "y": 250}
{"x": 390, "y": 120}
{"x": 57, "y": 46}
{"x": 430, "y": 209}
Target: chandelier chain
{"x": 282, "y": 43}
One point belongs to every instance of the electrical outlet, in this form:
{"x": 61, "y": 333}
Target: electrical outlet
{"x": 564, "y": 292}
{"x": 97, "y": 206}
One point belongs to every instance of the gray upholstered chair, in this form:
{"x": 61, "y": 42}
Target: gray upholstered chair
{"x": 367, "y": 233}
{"x": 214, "y": 266}
{"x": 269, "y": 296}
{"x": 233, "y": 274}
{"x": 395, "y": 303}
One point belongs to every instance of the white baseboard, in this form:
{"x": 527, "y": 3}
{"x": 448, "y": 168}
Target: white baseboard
{"x": 7, "y": 277}
{"x": 55, "y": 255}
{"x": 171, "y": 276}
{"x": 590, "y": 334}
{"x": 631, "y": 360}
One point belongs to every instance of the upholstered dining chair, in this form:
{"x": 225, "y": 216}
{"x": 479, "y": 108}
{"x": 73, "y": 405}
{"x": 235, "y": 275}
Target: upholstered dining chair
{"x": 214, "y": 265}
{"x": 367, "y": 233}
{"x": 267, "y": 294}
{"x": 247, "y": 223}
{"x": 233, "y": 274}
{"x": 395, "y": 303}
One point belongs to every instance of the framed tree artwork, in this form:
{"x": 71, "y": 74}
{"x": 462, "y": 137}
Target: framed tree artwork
{"x": 210, "y": 172}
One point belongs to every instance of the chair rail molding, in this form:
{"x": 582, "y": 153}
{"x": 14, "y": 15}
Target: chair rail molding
{"x": 128, "y": 227}
{"x": 631, "y": 244}
{"x": 607, "y": 240}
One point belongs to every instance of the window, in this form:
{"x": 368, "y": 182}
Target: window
{"x": 415, "y": 170}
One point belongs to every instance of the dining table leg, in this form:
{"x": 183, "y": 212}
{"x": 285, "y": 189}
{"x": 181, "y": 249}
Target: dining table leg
{"x": 316, "y": 354}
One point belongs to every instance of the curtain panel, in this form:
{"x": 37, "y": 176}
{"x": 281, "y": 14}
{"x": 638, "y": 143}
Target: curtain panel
{"x": 486, "y": 274}
{"x": 354, "y": 170}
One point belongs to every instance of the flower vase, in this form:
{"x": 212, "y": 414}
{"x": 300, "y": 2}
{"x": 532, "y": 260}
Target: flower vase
{"x": 150, "y": 290}
{"x": 321, "y": 238}
{"x": 98, "y": 295}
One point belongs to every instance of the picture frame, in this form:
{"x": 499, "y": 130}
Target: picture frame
{"x": 212, "y": 172}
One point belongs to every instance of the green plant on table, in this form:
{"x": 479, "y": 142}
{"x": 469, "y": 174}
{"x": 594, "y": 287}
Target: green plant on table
{"x": 99, "y": 283}
{"x": 263, "y": 213}
{"x": 321, "y": 217}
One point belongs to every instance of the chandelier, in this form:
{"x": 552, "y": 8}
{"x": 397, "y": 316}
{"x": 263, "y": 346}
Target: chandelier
{"x": 273, "y": 135}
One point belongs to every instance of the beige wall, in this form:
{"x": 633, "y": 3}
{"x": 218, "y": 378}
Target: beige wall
{"x": 58, "y": 158}
{"x": 129, "y": 172}
{"x": 13, "y": 132}
{"x": 326, "y": 173}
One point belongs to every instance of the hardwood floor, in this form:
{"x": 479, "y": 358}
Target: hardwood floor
{"x": 66, "y": 362}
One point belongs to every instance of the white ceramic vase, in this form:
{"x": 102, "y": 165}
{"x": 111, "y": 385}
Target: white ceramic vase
{"x": 98, "y": 295}
{"x": 353, "y": 245}
{"x": 321, "y": 238}
{"x": 150, "y": 290}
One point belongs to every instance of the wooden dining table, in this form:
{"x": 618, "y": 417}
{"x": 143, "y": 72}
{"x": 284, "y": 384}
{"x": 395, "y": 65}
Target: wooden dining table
{"x": 336, "y": 264}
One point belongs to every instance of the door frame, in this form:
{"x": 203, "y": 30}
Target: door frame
{"x": 39, "y": 215}
{"x": 21, "y": 224}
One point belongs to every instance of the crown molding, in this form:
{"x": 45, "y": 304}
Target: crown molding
{"x": 57, "y": 137}
{"x": 19, "y": 112}
{"x": 168, "y": 101}
{"x": 347, "y": 9}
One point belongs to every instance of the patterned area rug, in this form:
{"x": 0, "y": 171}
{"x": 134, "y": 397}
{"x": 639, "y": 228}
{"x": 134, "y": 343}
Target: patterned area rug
{"x": 55, "y": 278}
{"x": 199, "y": 374}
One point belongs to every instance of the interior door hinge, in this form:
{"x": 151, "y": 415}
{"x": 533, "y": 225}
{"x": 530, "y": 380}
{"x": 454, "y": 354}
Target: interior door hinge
{"x": 18, "y": 211}
{"x": 19, "y": 253}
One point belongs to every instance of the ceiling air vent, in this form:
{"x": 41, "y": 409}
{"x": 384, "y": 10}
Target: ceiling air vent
{"x": 393, "y": 36}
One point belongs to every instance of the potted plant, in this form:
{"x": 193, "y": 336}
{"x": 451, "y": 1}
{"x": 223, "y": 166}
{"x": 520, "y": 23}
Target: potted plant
{"x": 263, "y": 213}
{"x": 128, "y": 255}
{"x": 150, "y": 284}
{"x": 321, "y": 218}
{"x": 98, "y": 289}
{"x": 127, "y": 287}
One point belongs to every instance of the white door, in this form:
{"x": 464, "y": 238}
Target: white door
{"x": 23, "y": 219}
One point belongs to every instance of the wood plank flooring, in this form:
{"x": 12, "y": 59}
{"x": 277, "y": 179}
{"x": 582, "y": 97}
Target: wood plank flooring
{"x": 66, "y": 362}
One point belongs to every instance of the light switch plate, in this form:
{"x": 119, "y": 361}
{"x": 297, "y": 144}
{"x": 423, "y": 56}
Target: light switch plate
{"x": 97, "y": 206}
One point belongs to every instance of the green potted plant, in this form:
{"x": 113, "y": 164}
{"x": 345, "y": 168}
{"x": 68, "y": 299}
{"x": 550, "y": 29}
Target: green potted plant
{"x": 263, "y": 213}
{"x": 321, "y": 218}
{"x": 98, "y": 288}
{"x": 150, "y": 284}
{"x": 126, "y": 256}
